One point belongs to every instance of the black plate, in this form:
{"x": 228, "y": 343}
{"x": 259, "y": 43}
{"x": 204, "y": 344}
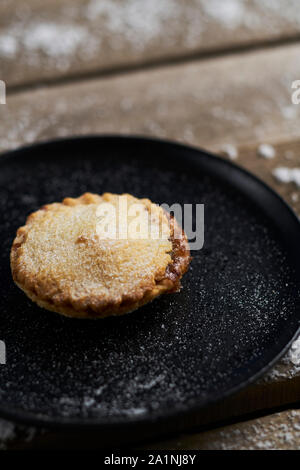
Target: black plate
{"x": 147, "y": 371}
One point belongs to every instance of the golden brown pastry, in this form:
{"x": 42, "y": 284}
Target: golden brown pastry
{"x": 67, "y": 258}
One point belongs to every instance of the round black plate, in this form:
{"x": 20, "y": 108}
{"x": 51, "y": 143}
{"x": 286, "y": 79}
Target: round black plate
{"x": 238, "y": 310}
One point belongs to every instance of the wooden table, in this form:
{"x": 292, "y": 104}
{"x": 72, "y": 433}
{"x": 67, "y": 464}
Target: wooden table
{"x": 214, "y": 74}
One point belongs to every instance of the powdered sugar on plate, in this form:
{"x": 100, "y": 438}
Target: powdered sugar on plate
{"x": 7, "y": 432}
{"x": 10, "y": 432}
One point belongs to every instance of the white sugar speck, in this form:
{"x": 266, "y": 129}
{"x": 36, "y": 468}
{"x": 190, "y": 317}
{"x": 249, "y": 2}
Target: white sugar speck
{"x": 99, "y": 390}
{"x": 8, "y": 46}
{"x": 266, "y": 151}
{"x": 134, "y": 411}
{"x": 55, "y": 40}
{"x": 295, "y": 197}
{"x": 295, "y": 352}
{"x": 7, "y": 432}
{"x": 88, "y": 401}
{"x": 152, "y": 383}
{"x": 230, "y": 151}
{"x": 282, "y": 174}
{"x": 287, "y": 175}
{"x": 138, "y": 22}
{"x": 231, "y": 13}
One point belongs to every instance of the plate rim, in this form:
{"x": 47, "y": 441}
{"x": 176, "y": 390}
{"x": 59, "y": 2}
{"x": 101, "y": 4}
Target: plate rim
{"x": 19, "y": 415}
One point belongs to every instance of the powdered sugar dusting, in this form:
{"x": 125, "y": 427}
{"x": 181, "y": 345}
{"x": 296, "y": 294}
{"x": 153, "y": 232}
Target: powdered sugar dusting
{"x": 107, "y": 30}
{"x": 290, "y": 11}
{"x": 295, "y": 197}
{"x": 8, "y": 45}
{"x": 287, "y": 175}
{"x": 288, "y": 367}
{"x": 138, "y": 22}
{"x": 230, "y": 151}
{"x": 295, "y": 352}
{"x": 266, "y": 151}
{"x": 230, "y": 13}
{"x": 7, "y": 433}
{"x": 55, "y": 40}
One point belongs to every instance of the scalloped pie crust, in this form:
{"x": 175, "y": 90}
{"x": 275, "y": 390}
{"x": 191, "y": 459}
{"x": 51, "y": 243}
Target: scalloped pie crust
{"x": 63, "y": 263}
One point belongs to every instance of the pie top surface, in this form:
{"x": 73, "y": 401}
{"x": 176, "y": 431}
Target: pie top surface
{"x": 82, "y": 257}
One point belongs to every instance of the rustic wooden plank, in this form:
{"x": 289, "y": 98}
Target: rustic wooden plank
{"x": 44, "y": 40}
{"x": 232, "y": 100}
{"x": 280, "y": 431}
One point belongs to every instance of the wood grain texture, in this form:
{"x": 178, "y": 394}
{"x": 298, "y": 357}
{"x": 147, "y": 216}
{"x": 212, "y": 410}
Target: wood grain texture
{"x": 49, "y": 39}
{"x": 280, "y": 431}
{"x": 277, "y": 431}
{"x": 235, "y": 100}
